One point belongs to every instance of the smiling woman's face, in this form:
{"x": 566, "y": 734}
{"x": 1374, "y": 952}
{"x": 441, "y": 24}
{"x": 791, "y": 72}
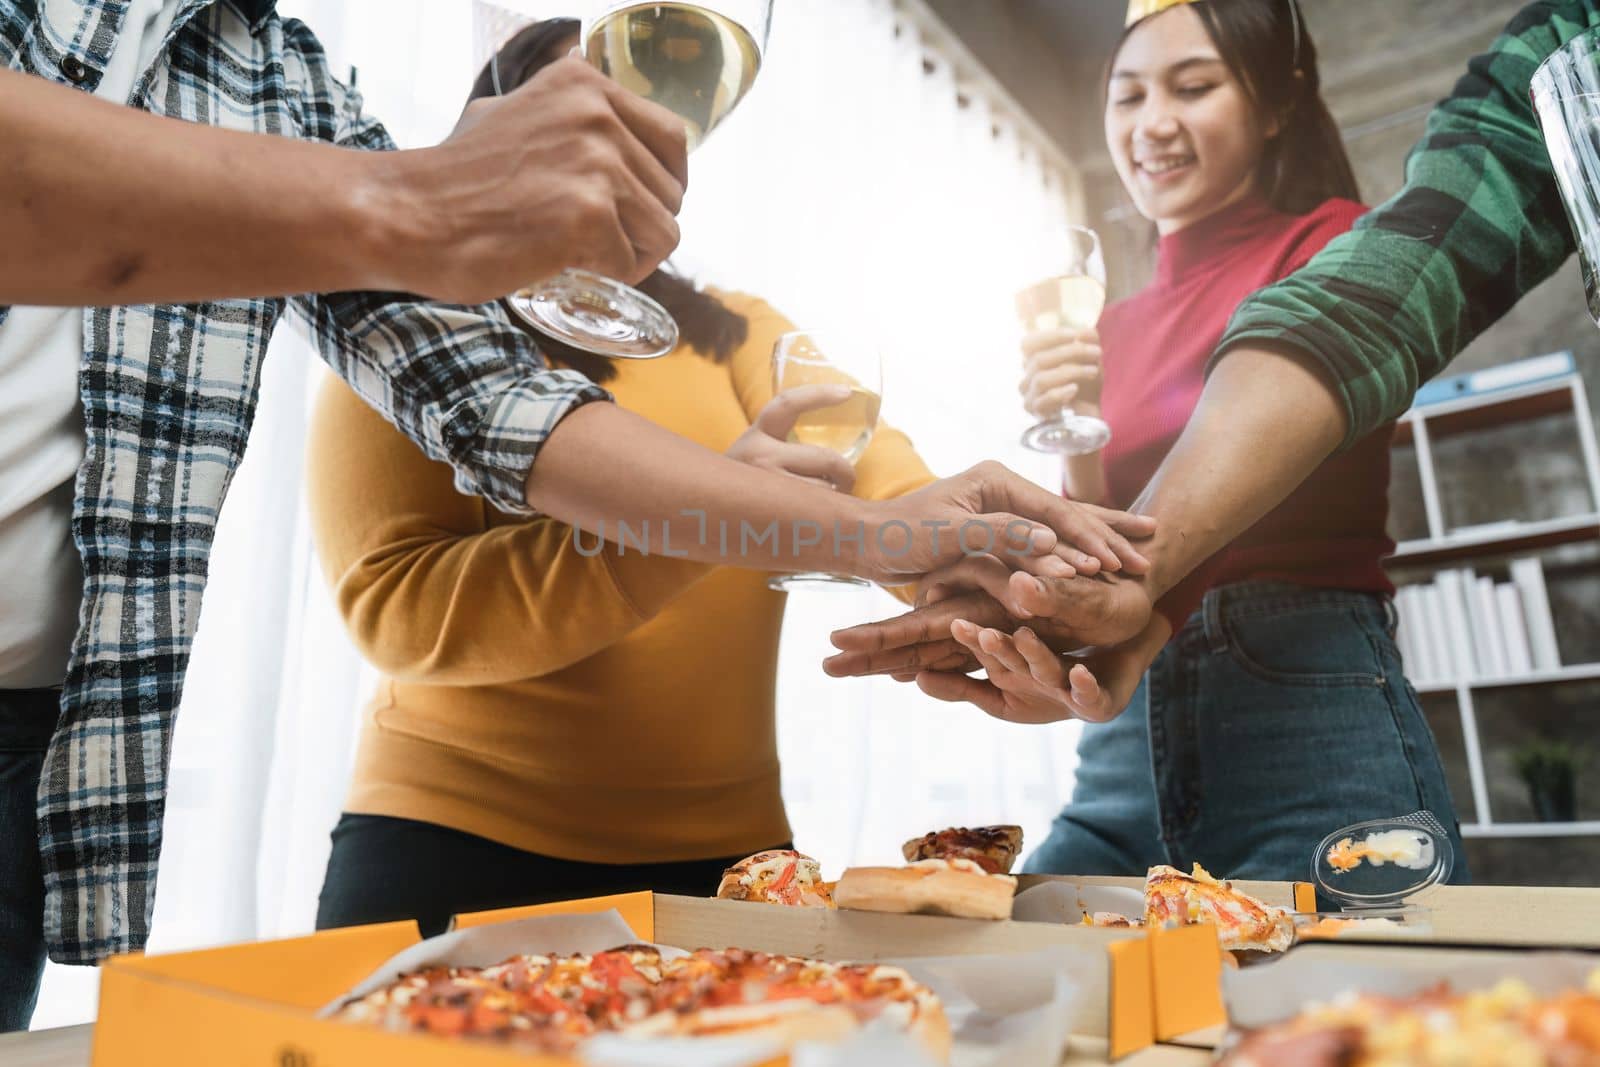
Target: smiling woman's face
{"x": 1182, "y": 131}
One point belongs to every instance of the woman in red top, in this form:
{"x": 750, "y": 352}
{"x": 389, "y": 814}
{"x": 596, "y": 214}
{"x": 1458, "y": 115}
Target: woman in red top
{"x": 1274, "y": 709}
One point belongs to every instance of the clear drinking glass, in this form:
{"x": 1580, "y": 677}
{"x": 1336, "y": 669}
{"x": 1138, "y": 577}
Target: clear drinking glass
{"x": 1073, "y": 298}
{"x": 697, "y": 60}
{"x": 1566, "y": 95}
{"x": 818, "y": 357}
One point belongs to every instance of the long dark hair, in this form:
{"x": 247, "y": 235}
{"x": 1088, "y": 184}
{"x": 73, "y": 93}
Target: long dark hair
{"x": 703, "y": 322}
{"x": 1267, "y": 47}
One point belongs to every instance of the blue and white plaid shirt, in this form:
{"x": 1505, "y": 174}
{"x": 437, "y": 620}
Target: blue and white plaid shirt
{"x": 168, "y": 394}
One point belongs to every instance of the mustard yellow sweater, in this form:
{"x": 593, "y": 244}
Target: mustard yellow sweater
{"x": 610, "y": 708}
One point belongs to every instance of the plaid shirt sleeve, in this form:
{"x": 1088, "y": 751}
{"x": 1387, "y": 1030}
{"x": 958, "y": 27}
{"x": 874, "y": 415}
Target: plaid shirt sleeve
{"x": 463, "y": 382}
{"x": 1478, "y": 224}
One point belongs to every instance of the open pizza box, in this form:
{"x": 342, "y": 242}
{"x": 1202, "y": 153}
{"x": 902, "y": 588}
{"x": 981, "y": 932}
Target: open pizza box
{"x": 259, "y": 1003}
{"x": 1319, "y": 973}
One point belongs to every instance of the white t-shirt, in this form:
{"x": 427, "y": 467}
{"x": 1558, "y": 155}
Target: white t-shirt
{"x": 42, "y": 436}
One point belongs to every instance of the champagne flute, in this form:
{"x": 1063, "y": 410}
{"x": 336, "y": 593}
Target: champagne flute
{"x": 1566, "y": 97}
{"x": 808, "y": 357}
{"x": 1072, "y": 299}
{"x": 697, "y": 60}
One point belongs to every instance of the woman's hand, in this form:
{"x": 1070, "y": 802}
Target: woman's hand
{"x": 766, "y": 443}
{"x": 1030, "y": 682}
{"x": 1058, "y": 365}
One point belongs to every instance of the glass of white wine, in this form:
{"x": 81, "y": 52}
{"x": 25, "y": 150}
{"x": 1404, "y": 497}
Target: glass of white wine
{"x": 697, "y": 60}
{"x": 1071, "y": 299}
{"x": 818, "y": 357}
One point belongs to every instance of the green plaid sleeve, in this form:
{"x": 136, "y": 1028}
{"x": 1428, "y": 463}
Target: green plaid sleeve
{"x": 1478, "y": 224}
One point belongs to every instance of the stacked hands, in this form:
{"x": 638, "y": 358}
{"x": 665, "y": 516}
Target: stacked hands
{"x": 1052, "y": 647}
{"x": 1059, "y": 614}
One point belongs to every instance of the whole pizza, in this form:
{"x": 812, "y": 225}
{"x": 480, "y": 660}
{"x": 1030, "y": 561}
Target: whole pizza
{"x": 551, "y": 1003}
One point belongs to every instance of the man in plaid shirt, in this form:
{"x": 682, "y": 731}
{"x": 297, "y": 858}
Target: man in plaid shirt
{"x": 111, "y": 214}
{"x": 1309, "y": 365}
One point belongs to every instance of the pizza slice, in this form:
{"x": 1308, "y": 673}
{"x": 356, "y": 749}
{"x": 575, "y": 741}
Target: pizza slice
{"x": 778, "y": 876}
{"x": 1243, "y": 923}
{"x": 956, "y": 887}
{"x": 790, "y": 999}
{"x": 994, "y": 848}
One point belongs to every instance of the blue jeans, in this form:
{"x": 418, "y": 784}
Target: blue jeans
{"x": 1279, "y": 714}
{"x": 27, "y": 719}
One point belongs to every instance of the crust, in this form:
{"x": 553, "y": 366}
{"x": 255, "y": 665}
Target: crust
{"x": 932, "y": 1028}
{"x": 929, "y": 890}
{"x": 784, "y": 1022}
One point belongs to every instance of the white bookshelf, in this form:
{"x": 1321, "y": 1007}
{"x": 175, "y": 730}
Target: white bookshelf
{"x": 1421, "y": 427}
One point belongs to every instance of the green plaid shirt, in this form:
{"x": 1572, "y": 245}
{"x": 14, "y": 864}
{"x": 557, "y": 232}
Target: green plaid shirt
{"x": 1478, "y": 224}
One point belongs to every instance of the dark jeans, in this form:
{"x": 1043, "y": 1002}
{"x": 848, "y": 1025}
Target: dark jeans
{"x": 1277, "y": 716}
{"x": 383, "y": 869}
{"x": 27, "y": 719}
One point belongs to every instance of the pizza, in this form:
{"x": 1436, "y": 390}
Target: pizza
{"x": 1243, "y": 923}
{"x": 778, "y": 876}
{"x": 552, "y": 1003}
{"x": 994, "y": 848}
{"x": 1110, "y": 920}
{"x": 1507, "y": 1024}
{"x": 957, "y": 887}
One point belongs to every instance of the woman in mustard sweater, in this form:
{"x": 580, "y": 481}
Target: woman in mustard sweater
{"x": 557, "y": 723}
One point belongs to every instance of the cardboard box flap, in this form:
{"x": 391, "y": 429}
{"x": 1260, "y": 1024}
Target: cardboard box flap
{"x": 636, "y": 909}
{"x": 302, "y": 972}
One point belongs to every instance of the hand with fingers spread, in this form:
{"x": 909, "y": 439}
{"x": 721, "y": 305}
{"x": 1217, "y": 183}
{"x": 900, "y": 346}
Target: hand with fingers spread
{"x": 1061, "y": 369}
{"x": 766, "y": 443}
{"x": 990, "y": 510}
{"x": 1030, "y": 682}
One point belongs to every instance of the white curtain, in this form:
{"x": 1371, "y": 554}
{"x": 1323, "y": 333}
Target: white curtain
{"x": 859, "y": 187}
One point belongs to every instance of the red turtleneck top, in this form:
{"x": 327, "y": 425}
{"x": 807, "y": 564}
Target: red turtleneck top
{"x": 1330, "y": 533}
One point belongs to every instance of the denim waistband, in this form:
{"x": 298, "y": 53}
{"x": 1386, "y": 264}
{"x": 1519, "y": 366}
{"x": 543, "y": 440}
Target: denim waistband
{"x": 28, "y": 717}
{"x": 1243, "y": 600}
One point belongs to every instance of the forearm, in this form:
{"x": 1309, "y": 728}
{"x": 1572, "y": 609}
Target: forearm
{"x": 195, "y": 213}
{"x": 603, "y": 467}
{"x": 1084, "y": 478}
{"x": 1219, "y": 479}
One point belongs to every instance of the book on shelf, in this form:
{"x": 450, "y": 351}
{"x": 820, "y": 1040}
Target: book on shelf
{"x": 1494, "y": 662}
{"x": 1436, "y": 631}
{"x": 1452, "y": 585}
{"x": 1466, "y": 627}
{"x": 1513, "y": 630}
{"x": 1413, "y": 651}
{"x": 1528, "y": 575}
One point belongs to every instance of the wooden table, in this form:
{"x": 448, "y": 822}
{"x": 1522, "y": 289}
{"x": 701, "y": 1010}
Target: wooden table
{"x": 69, "y": 1047}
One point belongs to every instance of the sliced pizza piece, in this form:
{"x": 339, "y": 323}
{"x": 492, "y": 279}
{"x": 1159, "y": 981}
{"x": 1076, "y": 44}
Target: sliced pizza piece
{"x": 778, "y": 876}
{"x": 994, "y": 848}
{"x": 1243, "y": 923}
{"x": 790, "y": 999}
{"x": 956, "y": 887}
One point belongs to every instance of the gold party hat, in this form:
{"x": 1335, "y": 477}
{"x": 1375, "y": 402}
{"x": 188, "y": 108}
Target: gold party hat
{"x": 1143, "y": 9}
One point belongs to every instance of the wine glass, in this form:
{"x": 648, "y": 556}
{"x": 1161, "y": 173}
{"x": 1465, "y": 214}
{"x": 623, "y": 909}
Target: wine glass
{"x": 1566, "y": 96}
{"x": 697, "y": 60}
{"x": 1072, "y": 298}
{"x": 817, "y": 357}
